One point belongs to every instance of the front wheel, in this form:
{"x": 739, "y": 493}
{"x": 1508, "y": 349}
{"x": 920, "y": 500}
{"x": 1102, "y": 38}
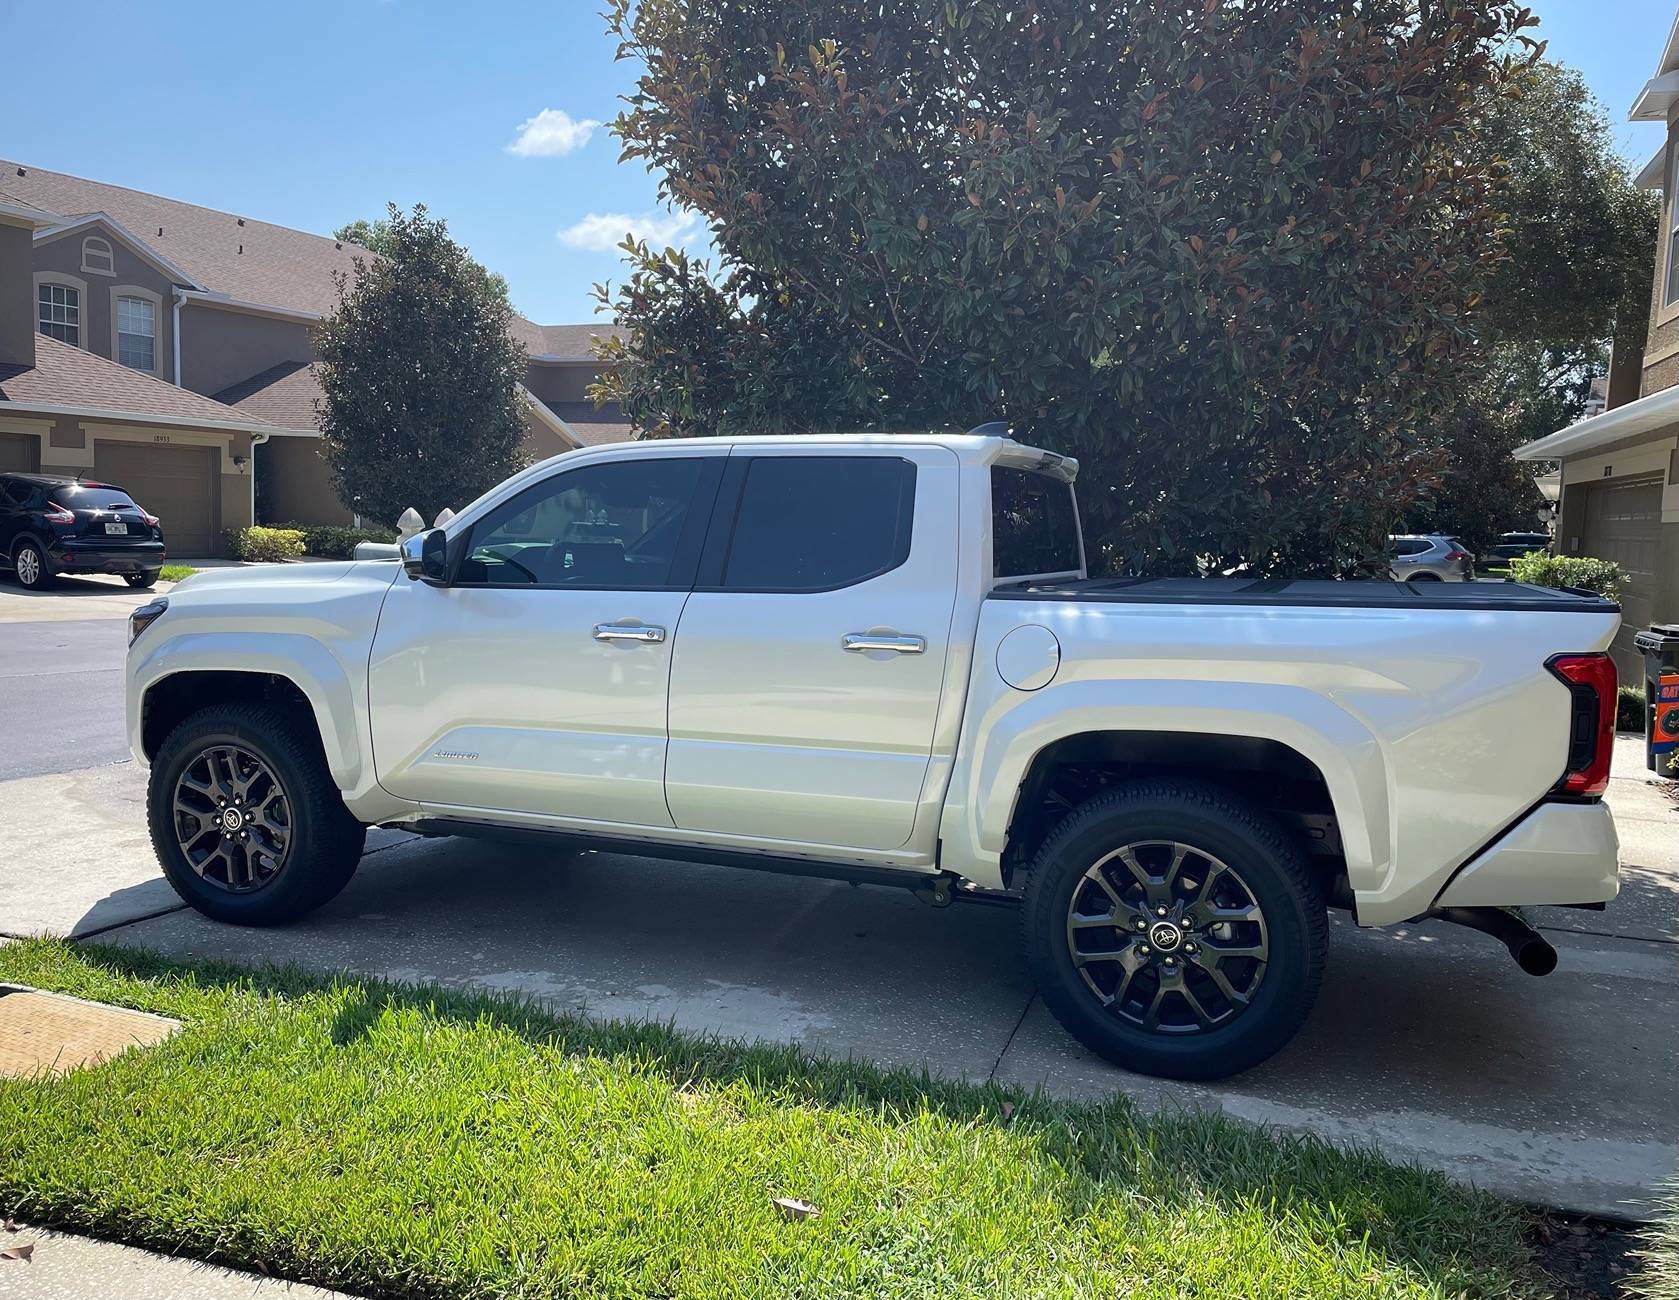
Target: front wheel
{"x": 1175, "y": 929}
{"x": 246, "y": 819}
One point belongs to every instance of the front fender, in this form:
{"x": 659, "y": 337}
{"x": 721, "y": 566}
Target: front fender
{"x": 1015, "y": 727}
{"x": 305, "y": 662}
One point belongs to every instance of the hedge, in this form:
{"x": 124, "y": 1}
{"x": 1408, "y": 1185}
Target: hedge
{"x": 265, "y": 545}
{"x": 1546, "y": 570}
{"x": 338, "y": 541}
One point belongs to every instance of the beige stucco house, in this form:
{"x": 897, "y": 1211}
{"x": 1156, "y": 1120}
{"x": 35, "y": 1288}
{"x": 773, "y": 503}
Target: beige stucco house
{"x": 1620, "y": 468}
{"x": 168, "y": 347}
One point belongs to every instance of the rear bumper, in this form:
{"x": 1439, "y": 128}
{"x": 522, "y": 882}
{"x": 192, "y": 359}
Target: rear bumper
{"x": 1559, "y": 853}
{"x": 80, "y": 555}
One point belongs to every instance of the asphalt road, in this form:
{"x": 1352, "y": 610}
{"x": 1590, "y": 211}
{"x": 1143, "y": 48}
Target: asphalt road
{"x": 61, "y": 695}
{"x": 1427, "y": 1043}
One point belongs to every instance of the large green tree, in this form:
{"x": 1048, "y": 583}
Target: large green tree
{"x": 1579, "y": 245}
{"x": 420, "y": 378}
{"x": 380, "y": 237}
{"x": 1225, "y": 253}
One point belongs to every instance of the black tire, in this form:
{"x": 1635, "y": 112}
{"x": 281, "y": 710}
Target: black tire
{"x": 1260, "y": 858}
{"x": 30, "y": 565}
{"x": 1425, "y": 577}
{"x": 323, "y": 841}
{"x": 140, "y": 581}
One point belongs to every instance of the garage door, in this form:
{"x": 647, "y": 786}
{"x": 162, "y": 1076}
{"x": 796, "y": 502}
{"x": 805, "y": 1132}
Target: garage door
{"x": 177, "y": 484}
{"x": 17, "y": 452}
{"x": 1623, "y": 523}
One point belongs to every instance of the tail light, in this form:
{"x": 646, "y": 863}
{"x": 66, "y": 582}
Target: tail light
{"x": 152, "y": 521}
{"x": 57, "y": 514}
{"x": 1591, "y": 686}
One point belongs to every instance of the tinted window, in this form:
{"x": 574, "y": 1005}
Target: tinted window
{"x": 617, "y": 526}
{"x": 12, "y": 492}
{"x": 1406, "y": 547}
{"x": 1034, "y": 528}
{"x": 91, "y": 498}
{"x": 813, "y": 523}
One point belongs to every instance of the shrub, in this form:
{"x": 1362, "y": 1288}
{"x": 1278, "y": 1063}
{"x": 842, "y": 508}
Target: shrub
{"x": 1545, "y": 570}
{"x": 265, "y": 545}
{"x": 336, "y": 541}
{"x": 1629, "y": 710}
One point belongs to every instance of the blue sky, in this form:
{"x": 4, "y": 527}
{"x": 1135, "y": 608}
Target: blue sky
{"x": 310, "y": 114}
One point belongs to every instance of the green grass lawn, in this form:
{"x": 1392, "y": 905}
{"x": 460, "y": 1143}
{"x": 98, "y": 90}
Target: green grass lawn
{"x": 418, "y": 1142}
{"x": 175, "y": 572}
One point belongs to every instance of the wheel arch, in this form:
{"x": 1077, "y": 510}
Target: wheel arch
{"x": 1232, "y": 734}
{"x": 177, "y": 677}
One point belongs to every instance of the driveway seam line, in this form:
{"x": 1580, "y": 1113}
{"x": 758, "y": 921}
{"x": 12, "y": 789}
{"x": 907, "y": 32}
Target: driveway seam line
{"x": 1607, "y": 934}
{"x": 991, "y": 1076}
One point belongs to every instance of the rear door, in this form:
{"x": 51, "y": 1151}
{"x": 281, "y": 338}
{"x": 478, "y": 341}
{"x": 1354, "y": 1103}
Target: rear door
{"x": 810, "y": 659}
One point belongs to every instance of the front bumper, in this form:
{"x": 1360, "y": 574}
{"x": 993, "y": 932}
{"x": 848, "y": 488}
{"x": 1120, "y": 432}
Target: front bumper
{"x": 1560, "y": 853}
{"x": 82, "y": 555}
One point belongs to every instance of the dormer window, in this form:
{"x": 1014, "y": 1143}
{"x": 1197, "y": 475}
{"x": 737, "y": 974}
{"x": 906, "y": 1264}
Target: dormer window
{"x": 61, "y": 313}
{"x": 97, "y": 256}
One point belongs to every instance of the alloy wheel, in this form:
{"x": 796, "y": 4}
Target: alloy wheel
{"x": 28, "y": 566}
{"x": 232, "y": 818}
{"x": 1168, "y": 937}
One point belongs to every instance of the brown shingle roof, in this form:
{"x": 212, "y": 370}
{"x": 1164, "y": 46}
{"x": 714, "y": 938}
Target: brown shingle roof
{"x": 283, "y": 395}
{"x": 574, "y": 340}
{"x": 594, "y": 425}
{"x": 66, "y": 376}
{"x": 253, "y": 262}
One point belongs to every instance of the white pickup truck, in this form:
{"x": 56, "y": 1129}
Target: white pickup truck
{"x": 879, "y": 658}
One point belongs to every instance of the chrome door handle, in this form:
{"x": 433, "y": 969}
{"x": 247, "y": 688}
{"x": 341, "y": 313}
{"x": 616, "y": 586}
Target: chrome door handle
{"x": 904, "y": 645}
{"x": 628, "y": 632}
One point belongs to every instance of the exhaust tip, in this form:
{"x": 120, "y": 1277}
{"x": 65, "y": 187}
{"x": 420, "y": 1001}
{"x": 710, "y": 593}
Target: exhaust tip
{"x": 1537, "y": 957}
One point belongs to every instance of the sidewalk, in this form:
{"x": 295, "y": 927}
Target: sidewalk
{"x": 65, "y": 1267}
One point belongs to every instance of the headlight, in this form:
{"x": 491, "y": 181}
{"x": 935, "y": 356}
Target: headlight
{"x": 145, "y": 616}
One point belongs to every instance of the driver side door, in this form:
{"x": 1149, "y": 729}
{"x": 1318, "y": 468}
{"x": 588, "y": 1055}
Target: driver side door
{"x": 535, "y": 682}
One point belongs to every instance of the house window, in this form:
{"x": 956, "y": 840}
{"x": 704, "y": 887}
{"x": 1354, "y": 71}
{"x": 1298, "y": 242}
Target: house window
{"x": 1670, "y": 290}
{"x": 61, "y": 313}
{"x": 137, "y": 333}
{"x": 97, "y": 256}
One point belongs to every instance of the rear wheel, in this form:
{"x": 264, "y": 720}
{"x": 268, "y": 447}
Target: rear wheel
{"x": 245, "y": 817}
{"x": 29, "y": 562}
{"x": 1175, "y": 929}
{"x": 140, "y": 580}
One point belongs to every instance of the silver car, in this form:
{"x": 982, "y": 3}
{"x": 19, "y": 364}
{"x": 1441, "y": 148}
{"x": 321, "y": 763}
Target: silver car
{"x": 1430, "y": 557}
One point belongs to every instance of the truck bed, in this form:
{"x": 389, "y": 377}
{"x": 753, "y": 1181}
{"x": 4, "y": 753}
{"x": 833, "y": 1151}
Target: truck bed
{"x": 1311, "y": 592}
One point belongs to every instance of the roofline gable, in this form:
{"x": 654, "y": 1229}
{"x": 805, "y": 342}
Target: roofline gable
{"x": 126, "y": 237}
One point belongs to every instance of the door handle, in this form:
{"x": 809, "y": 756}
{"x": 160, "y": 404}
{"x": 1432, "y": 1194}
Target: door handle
{"x": 629, "y": 632}
{"x": 904, "y": 645}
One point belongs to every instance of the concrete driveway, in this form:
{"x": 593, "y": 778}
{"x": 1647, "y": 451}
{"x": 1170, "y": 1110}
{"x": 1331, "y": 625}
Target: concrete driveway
{"x": 1428, "y": 1042}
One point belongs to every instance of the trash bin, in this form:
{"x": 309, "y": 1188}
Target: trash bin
{"x": 1660, "y": 648}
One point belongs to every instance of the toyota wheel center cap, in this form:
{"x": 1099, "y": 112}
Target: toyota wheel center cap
{"x": 232, "y": 819}
{"x": 1165, "y": 936}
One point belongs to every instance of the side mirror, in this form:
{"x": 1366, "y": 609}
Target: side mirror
{"x": 425, "y": 557}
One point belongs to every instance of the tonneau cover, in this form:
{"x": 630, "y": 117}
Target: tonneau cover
{"x": 1311, "y": 592}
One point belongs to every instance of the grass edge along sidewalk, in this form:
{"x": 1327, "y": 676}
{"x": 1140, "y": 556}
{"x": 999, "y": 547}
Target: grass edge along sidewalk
{"x": 415, "y": 1141}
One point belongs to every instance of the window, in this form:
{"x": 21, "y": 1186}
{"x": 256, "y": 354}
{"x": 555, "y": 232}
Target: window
{"x": 1670, "y": 288}
{"x": 137, "y": 333}
{"x": 97, "y": 256}
{"x": 13, "y": 492}
{"x": 1034, "y": 524}
{"x": 623, "y": 526}
{"x": 814, "y": 523}
{"x": 61, "y": 313}
{"x": 1411, "y": 546}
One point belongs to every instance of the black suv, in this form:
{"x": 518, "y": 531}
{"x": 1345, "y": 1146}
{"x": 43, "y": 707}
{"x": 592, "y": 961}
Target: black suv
{"x": 51, "y": 525}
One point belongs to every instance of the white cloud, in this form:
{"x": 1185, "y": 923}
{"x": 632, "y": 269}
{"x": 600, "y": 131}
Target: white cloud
{"x": 601, "y": 232}
{"x": 551, "y": 133}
